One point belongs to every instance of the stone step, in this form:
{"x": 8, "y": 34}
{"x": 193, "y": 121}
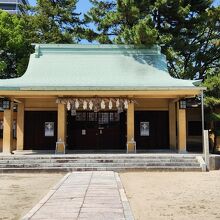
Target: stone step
{"x": 116, "y": 169}
{"x": 96, "y": 161}
{"x": 92, "y": 158}
{"x": 64, "y": 157}
{"x": 96, "y": 165}
{"x": 123, "y": 162}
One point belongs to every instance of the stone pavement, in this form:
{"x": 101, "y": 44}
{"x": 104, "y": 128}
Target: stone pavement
{"x": 96, "y": 195}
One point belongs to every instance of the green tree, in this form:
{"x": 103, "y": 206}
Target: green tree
{"x": 122, "y": 22}
{"x": 50, "y": 21}
{"x": 14, "y": 45}
{"x": 54, "y": 21}
{"x": 187, "y": 30}
{"x": 212, "y": 102}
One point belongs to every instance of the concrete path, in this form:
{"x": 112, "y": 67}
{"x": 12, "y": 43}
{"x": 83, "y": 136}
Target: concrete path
{"x": 84, "y": 195}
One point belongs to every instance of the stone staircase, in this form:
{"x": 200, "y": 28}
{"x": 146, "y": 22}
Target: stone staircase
{"x": 99, "y": 162}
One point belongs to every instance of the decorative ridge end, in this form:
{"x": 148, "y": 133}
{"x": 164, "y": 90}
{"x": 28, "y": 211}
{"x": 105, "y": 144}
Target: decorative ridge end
{"x": 197, "y": 82}
{"x": 37, "y": 51}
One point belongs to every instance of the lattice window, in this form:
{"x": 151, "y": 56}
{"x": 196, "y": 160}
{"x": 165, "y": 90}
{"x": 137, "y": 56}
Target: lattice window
{"x": 103, "y": 118}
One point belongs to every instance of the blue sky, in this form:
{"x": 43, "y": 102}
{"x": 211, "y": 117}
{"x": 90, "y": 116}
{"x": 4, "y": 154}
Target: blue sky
{"x": 84, "y": 5}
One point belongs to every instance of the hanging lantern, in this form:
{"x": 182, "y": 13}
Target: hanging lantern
{"x": 90, "y": 105}
{"x": 5, "y": 104}
{"x": 182, "y": 104}
{"x": 68, "y": 105}
{"x": 117, "y": 103}
{"x": 77, "y": 104}
{"x": 102, "y": 104}
{"x": 84, "y": 105}
{"x": 110, "y": 105}
{"x": 126, "y": 104}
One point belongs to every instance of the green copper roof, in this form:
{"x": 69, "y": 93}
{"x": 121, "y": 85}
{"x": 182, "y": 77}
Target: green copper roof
{"x": 95, "y": 67}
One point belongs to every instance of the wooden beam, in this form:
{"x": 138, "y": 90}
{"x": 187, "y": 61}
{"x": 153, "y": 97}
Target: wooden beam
{"x": 130, "y": 126}
{"x": 172, "y": 125}
{"x": 8, "y": 130}
{"x": 20, "y": 126}
{"x": 116, "y": 93}
{"x": 181, "y": 122}
{"x": 61, "y": 132}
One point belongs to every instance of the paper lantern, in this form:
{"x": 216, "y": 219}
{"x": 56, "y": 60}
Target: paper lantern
{"x": 68, "y": 106}
{"x": 110, "y": 104}
{"x": 117, "y": 103}
{"x": 102, "y": 104}
{"x": 90, "y": 105}
{"x": 84, "y": 105}
{"x": 126, "y": 104}
{"x": 77, "y": 104}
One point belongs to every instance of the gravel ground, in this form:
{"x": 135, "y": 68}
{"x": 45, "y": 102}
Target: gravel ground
{"x": 20, "y": 192}
{"x": 173, "y": 195}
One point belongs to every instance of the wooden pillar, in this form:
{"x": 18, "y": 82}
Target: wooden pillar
{"x": 172, "y": 125}
{"x": 61, "y": 132}
{"x": 20, "y": 126}
{"x": 181, "y": 122}
{"x": 8, "y": 130}
{"x": 130, "y": 126}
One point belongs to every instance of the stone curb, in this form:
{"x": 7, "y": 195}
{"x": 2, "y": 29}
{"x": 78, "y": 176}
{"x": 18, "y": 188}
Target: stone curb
{"x": 126, "y": 206}
{"x": 45, "y": 198}
{"x": 202, "y": 163}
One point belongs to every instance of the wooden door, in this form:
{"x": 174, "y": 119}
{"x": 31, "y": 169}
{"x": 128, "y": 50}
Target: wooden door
{"x": 95, "y": 131}
{"x": 156, "y": 133}
{"x": 40, "y": 130}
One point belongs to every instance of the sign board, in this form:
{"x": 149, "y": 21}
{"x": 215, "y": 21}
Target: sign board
{"x": 145, "y": 128}
{"x": 49, "y": 129}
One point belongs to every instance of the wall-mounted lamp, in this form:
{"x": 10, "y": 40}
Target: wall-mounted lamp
{"x": 182, "y": 104}
{"x": 5, "y": 104}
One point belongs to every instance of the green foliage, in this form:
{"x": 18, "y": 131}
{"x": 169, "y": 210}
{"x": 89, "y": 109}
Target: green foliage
{"x": 122, "y": 22}
{"x": 50, "y": 21}
{"x": 213, "y": 117}
{"x": 54, "y": 21}
{"x": 212, "y": 102}
{"x": 187, "y": 30}
{"x": 3, "y": 66}
{"x": 212, "y": 95}
{"x": 14, "y": 45}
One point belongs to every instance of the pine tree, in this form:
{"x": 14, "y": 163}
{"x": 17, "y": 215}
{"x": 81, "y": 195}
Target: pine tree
{"x": 54, "y": 21}
{"x": 187, "y": 30}
{"x": 121, "y": 22}
{"x": 212, "y": 102}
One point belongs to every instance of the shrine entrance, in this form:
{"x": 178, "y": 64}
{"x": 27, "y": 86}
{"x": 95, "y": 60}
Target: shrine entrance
{"x": 152, "y": 130}
{"x": 104, "y": 130}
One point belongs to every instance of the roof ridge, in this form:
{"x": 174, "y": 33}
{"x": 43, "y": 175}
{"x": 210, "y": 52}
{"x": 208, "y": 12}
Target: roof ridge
{"x": 97, "y": 48}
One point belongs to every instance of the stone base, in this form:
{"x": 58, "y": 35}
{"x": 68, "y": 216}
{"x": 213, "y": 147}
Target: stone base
{"x": 183, "y": 151}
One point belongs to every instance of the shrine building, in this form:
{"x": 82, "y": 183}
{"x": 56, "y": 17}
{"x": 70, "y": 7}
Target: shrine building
{"x": 98, "y": 98}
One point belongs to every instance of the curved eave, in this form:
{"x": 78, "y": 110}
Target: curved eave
{"x": 101, "y": 88}
{"x": 149, "y": 92}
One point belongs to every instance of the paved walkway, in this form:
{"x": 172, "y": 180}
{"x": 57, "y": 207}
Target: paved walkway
{"x": 84, "y": 195}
